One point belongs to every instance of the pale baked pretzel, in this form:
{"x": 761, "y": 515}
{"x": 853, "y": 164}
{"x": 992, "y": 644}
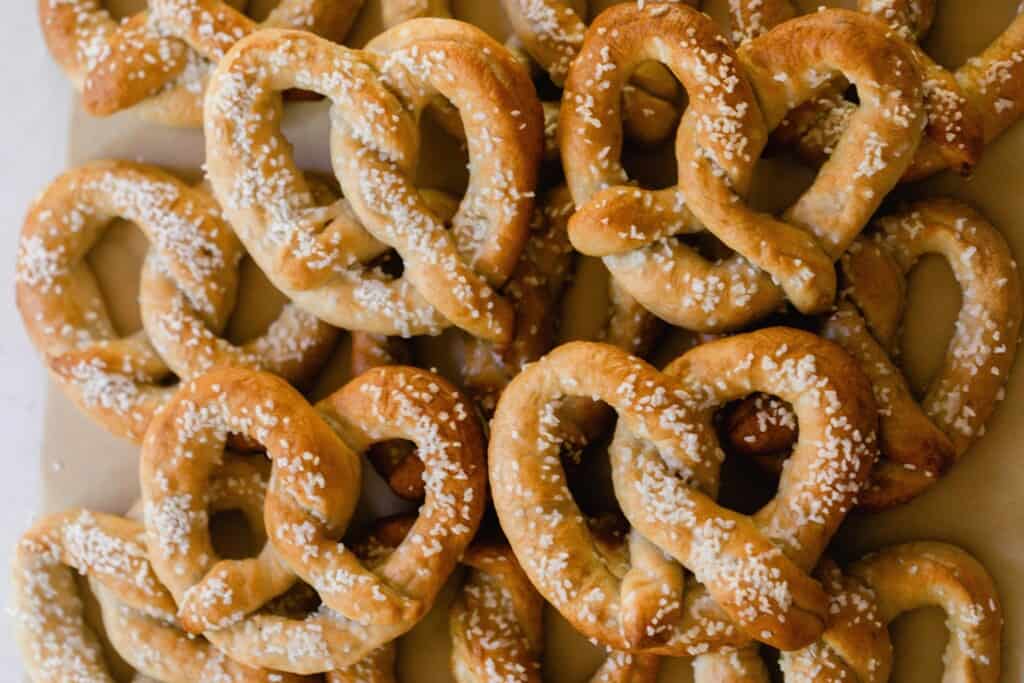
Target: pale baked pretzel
{"x": 741, "y": 559}
{"x": 920, "y": 442}
{"x": 888, "y": 583}
{"x": 122, "y": 381}
{"x": 552, "y": 32}
{"x": 160, "y": 59}
{"x": 138, "y": 612}
{"x": 314, "y": 486}
{"x": 721, "y": 136}
{"x": 316, "y": 254}
{"x": 967, "y": 108}
{"x": 497, "y": 629}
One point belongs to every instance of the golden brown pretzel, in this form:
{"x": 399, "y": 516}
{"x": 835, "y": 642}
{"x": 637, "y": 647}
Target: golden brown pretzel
{"x": 193, "y": 269}
{"x": 721, "y": 136}
{"x": 394, "y": 12}
{"x": 314, "y": 486}
{"x": 551, "y": 32}
{"x": 883, "y": 585}
{"x": 762, "y": 586}
{"x": 919, "y": 442}
{"x": 497, "y": 628}
{"x": 317, "y": 254}
{"x": 159, "y": 60}
{"x": 967, "y": 108}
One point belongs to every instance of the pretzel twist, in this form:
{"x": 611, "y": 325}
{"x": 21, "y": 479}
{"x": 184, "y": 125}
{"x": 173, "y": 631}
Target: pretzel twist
{"x": 317, "y": 255}
{"x": 158, "y": 60}
{"x": 967, "y": 108}
{"x": 551, "y": 32}
{"x": 717, "y": 147}
{"x": 497, "y": 628}
{"x": 313, "y": 489}
{"x": 919, "y": 442}
{"x": 395, "y": 12}
{"x": 886, "y": 584}
{"x": 768, "y": 594}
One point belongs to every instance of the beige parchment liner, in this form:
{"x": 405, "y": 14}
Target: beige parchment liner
{"x": 979, "y": 505}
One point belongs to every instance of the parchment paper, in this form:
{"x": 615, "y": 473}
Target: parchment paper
{"x": 977, "y": 506}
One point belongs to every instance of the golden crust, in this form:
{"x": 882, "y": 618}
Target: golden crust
{"x": 155, "y": 59}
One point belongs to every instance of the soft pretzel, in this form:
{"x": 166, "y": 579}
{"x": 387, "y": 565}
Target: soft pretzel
{"x": 56, "y": 640}
{"x": 552, "y": 31}
{"x": 884, "y": 585}
{"x": 721, "y": 136}
{"x": 967, "y": 108}
{"x": 497, "y": 628}
{"x": 159, "y": 60}
{"x": 314, "y": 486}
{"x": 317, "y": 255}
{"x": 191, "y": 272}
{"x": 395, "y": 12}
{"x": 753, "y": 568}
{"x": 919, "y": 442}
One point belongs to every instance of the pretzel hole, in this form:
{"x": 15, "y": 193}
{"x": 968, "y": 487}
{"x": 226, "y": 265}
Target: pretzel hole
{"x": 919, "y": 638}
{"x": 119, "y": 669}
{"x": 950, "y": 46}
{"x": 932, "y": 305}
{"x": 259, "y": 303}
{"x": 119, "y": 9}
{"x": 437, "y": 141}
{"x": 233, "y": 537}
{"x": 116, "y": 262}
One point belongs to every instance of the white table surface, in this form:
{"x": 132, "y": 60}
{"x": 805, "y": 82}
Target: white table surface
{"x": 33, "y": 136}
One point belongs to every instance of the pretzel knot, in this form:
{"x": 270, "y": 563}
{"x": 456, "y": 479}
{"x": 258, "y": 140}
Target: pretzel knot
{"x": 882, "y": 586}
{"x": 665, "y": 460}
{"x": 320, "y": 256}
{"x": 122, "y": 381}
{"x": 721, "y": 135}
{"x": 313, "y": 490}
{"x": 137, "y": 611}
{"x": 160, "y": 58}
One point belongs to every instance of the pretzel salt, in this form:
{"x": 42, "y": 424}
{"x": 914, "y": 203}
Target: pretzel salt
{"x": 320, "y": 268}
{"x": 138, "y": 613}
{"x": 121, "y": 381}
{"x": 313, "y": 490}
{"x": 552, "y": 31}
{"x": 497, "y": 627}
{"x": 967, "y": 108}
{"x": 721, "y": 136}
{"x": 882, "y": 586}
{"x": 765, "y": 589}
{"x": 159, "y": 61}
{"x": 920, "y": 442}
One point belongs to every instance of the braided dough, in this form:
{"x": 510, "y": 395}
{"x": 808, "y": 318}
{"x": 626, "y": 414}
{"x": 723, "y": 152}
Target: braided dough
{"x": 159, "y": 60}
{"x": 720, "y": 138}
{"x": 765, "y": 589}
{"x": 316, "y": 255}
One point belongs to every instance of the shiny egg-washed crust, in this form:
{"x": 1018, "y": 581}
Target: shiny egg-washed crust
{"x": 919, "y": 440}
{"x": 116, "y": 381}
{"x": 720, "y": 138}
{"x": 497, "y": 626}
{"x": 158, "y": 61}
{"x": 137, "y": 611}
{"x": 395, "y": 12}
{"x": 317, "y": 255}
{"x": 883, "y": 585}
{"x": 315, "y": 468}
{"x": 967, "y": 108}
{"x": 551, "y": 32}
{"x": 754, "y": 567}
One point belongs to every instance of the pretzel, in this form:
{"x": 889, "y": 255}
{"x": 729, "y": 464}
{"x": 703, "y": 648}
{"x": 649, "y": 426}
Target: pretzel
{"x": 448, "y": 277}
{"x": 919, "y": 443}
{"x": 497, "y": 628}
{"x": 121, "y": 381}
{"x": 736, "y": 558}
{"x": 721, "y": 136}
{"x": 158, "y": 61}
{"x": 967, "y": 109}
{"x": 886, "y": 584}
{"x": 138, "y": 613}
{"x": 313, "y": 489}
{"x": 395, "y": 12}
{"x": 551, "y": 32}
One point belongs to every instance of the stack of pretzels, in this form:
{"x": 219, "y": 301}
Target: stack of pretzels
{"x": 791, "y": 319}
